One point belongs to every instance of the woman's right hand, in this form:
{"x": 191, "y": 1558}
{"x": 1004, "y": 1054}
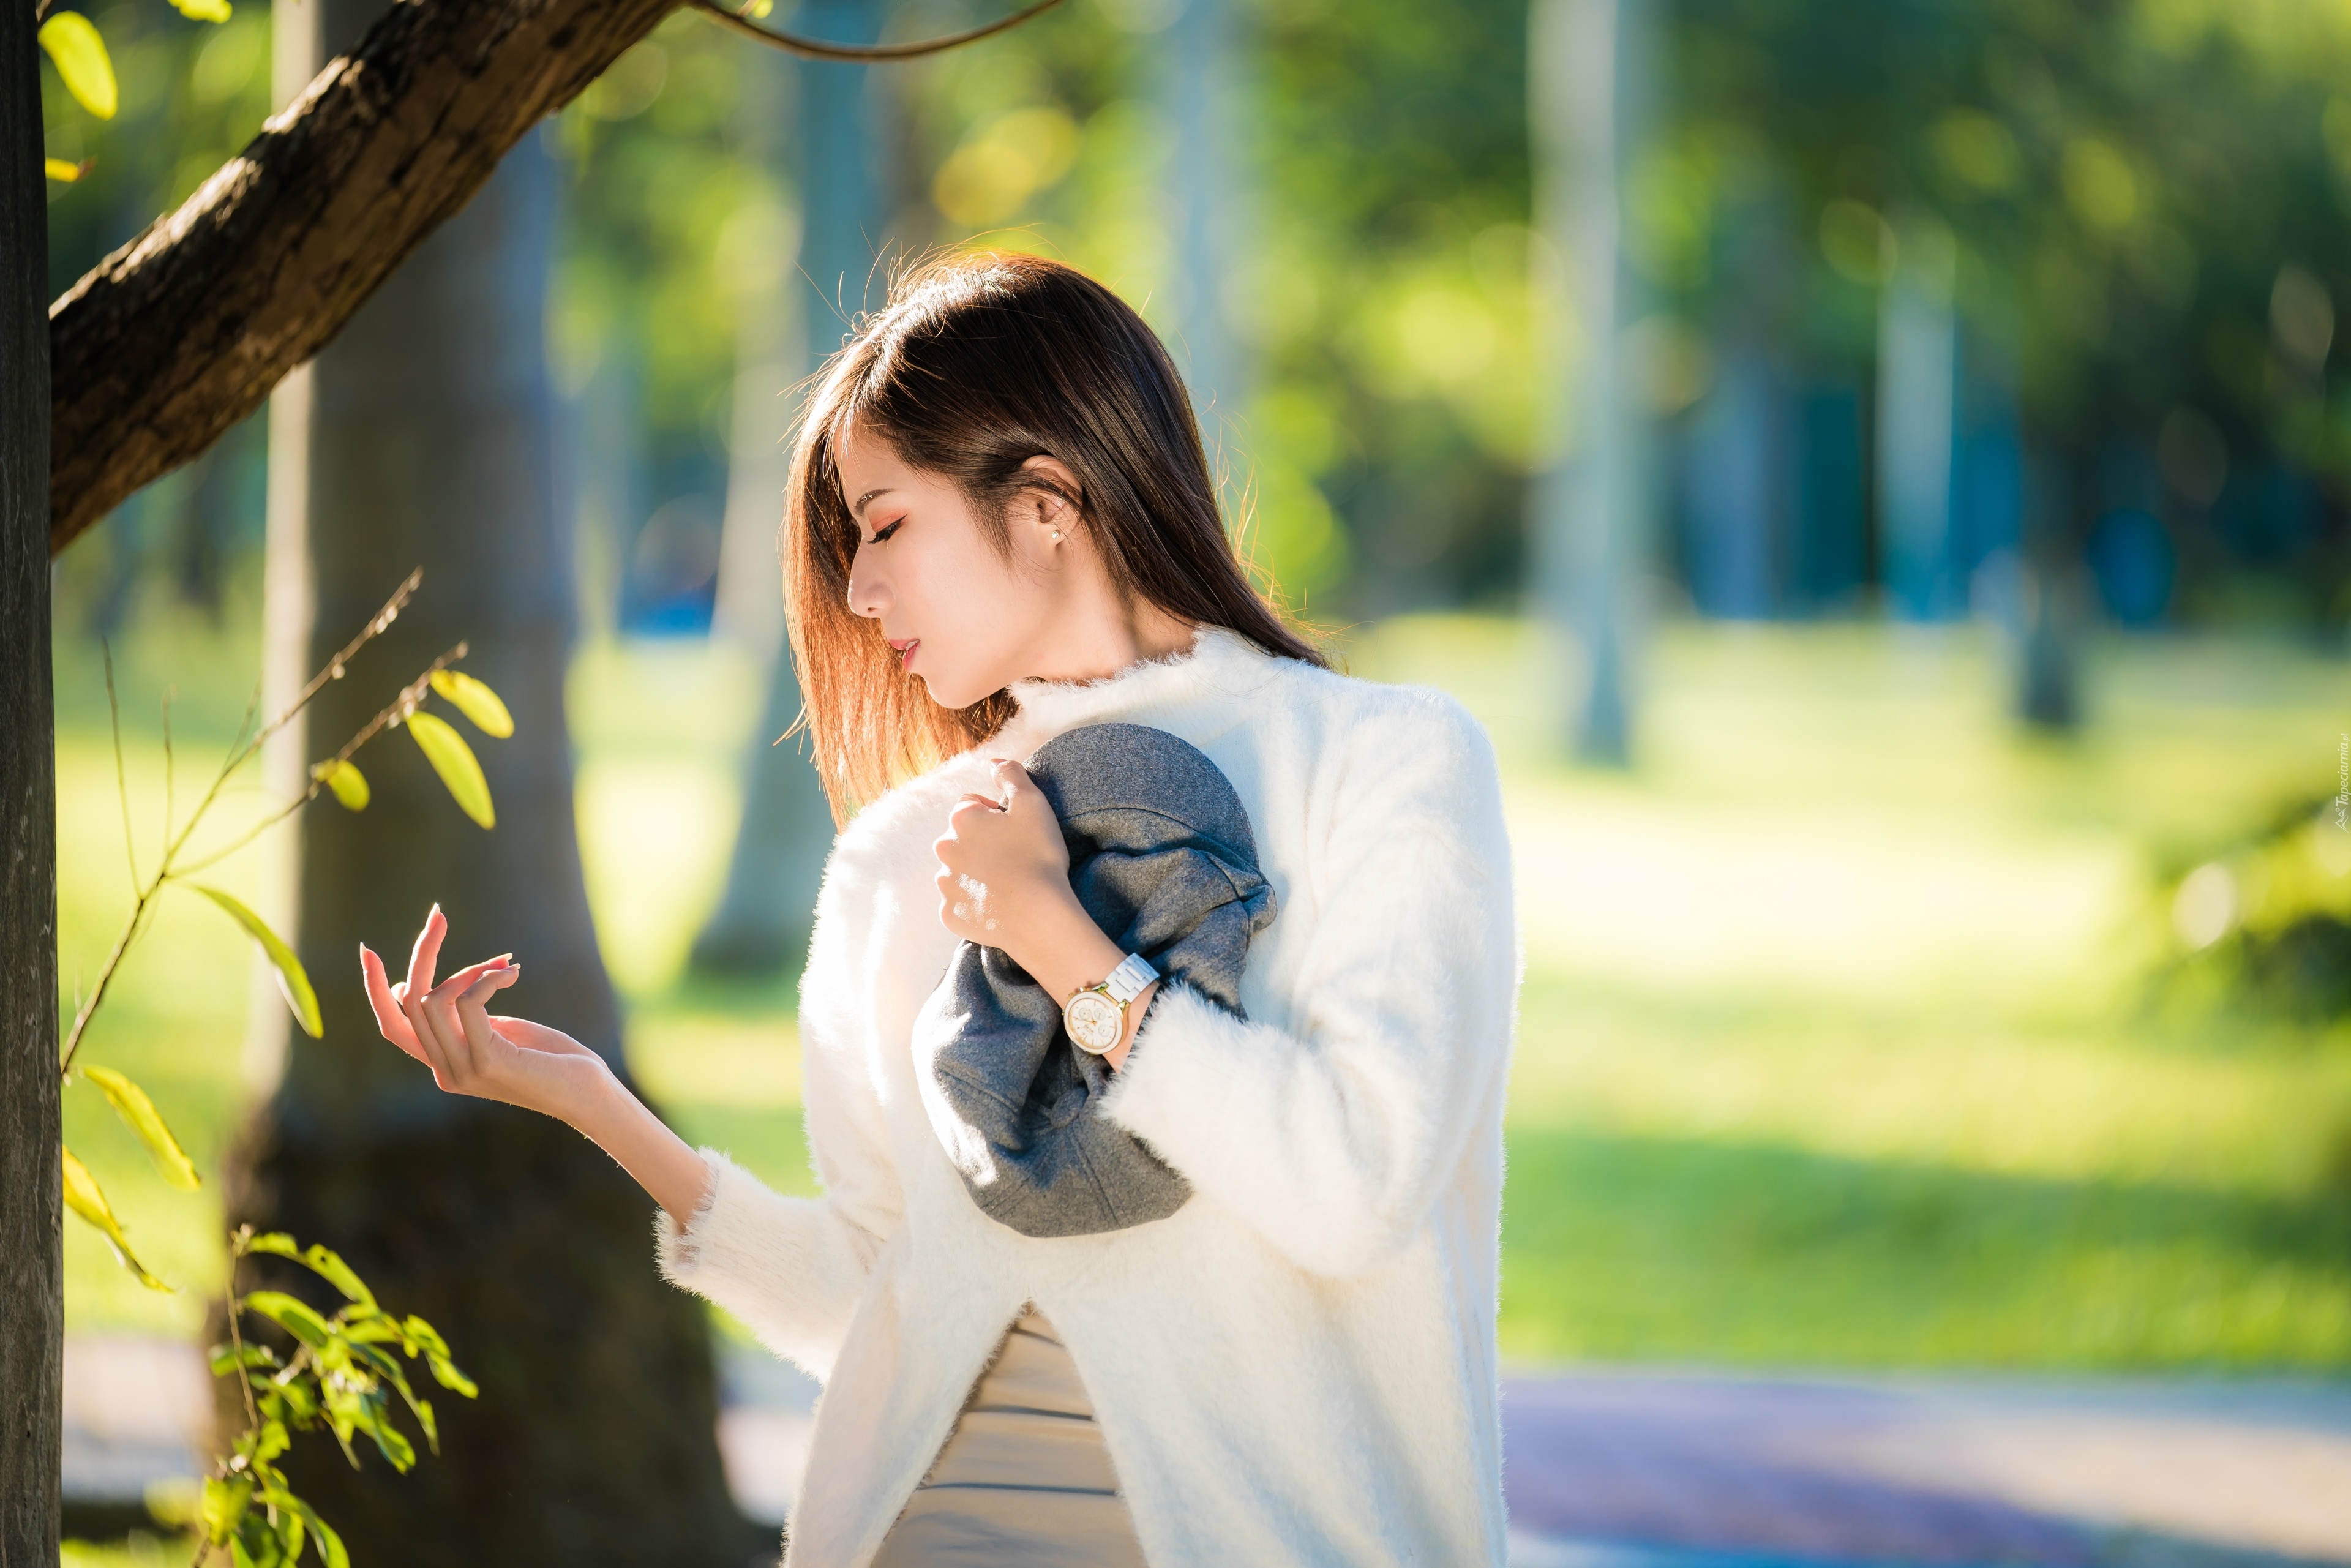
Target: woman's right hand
{"x": 448, "y": 1028}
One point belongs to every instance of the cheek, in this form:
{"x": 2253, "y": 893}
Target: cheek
{"x": 976, "y": 618}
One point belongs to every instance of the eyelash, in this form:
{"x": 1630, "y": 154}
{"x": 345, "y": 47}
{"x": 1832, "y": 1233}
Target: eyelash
{"x": 881, "y": 536}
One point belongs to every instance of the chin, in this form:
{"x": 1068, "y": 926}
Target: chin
{"x": 951, "y": 694}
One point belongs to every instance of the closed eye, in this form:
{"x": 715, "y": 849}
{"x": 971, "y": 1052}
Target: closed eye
{"x": 881, "y": 536}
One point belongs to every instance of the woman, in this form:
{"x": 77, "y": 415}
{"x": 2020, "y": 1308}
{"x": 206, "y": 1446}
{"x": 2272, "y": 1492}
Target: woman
{"x": 1001, "y": 526}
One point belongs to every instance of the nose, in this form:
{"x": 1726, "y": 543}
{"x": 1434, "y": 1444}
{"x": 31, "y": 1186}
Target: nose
{"x": 868, "y": 595}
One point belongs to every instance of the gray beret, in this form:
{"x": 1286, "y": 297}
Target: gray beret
{"x": 1161, "y": 857}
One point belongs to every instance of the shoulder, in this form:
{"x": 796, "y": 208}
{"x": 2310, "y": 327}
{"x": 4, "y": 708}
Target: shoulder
{"x": 1404, "y": 737}
{"x": 1401, "y": 763}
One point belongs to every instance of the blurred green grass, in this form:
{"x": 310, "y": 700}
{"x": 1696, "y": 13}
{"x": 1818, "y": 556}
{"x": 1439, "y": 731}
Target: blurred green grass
{"x": 1837, "y": 1047}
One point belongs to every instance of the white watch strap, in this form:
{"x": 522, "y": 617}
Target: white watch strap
{"x": 1126, "y": 981}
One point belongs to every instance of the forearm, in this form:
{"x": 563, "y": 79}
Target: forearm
{"x": 625, "y": 1127}
{"x": 1065, "y": 951}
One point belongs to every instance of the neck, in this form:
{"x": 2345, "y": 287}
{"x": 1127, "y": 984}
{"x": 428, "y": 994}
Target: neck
{"x": 1097, "y": 644}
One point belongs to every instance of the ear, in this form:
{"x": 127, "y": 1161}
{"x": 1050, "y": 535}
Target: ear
{"x": 1054, "y": 511}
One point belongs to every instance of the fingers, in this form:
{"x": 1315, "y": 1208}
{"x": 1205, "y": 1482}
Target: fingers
{"x": 1012, "y": 782}
{"x": 472, "y": 1016}
{"x": 972, "y": 808}
{"x": 443, "y": 1038}
{"x": 437, "y": 1011}
{"x": 525, "y": 1035}
{"x": 385, "y": 1004}
{"x": 426, "y": 953}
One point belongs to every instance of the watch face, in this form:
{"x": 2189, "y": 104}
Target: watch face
{"x": 1095, "y": 1022}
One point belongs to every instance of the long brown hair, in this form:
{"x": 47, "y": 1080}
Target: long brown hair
{"x": 977, "y": 364}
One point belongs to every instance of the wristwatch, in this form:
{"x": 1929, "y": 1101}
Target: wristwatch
{"x": 1096, "y": 1015}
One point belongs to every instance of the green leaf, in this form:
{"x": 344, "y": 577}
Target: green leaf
{"x": 389, "y": 1441}
{"x": 293, "y": 983}
{"x": 292, "y": 1403}
{"x": 389, "y": 1370}
{"x": 453, "y": 760}
{"x": 131, "y": 1102}
{"x": 83, "y": 1197}
{"x": 436, "y": 1356}
{"x": 295, "y": 1316}
{"x": 445, "y": 1373}
{"x": 328, "y": 1266}
{"x": 354, "y": 1411}
{"x": 349, "y": 785}
{"x": 271, "y": 1442}
{"x": 65, "y": 174}
{"x": 257, "y": 1544}
{"x": 330, "y": 1545}
{"x": 80, "y": 54}
{"x": 253, "y": 1358}
{"x": 475, "y": 701}
{"x": 203, "y": 10}
{"x": 223, "y": 1508}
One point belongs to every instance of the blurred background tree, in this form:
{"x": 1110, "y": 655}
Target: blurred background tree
{"x": 791, "y": 320}
{"x": 427, "y": 432}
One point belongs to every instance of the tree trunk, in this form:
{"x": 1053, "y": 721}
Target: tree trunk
{"x": 762, "y": 923}
{"x": 1195, "y": 71}
{"x": 594, "y": 1440}
{"x": 1590, "y": 64}
{"x": 32, "y": 1258}
{"x": 184, "y": 331}
{"x": 2049, "y": 674}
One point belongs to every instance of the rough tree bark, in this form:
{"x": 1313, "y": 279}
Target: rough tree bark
{"x": 184, "y": 331}
{"x": 31, "y": 1263}
{"x": 429, "y": 442}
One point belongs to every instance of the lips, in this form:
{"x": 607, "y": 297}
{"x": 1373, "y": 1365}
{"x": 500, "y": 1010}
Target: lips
{"x": 904, "y": 648}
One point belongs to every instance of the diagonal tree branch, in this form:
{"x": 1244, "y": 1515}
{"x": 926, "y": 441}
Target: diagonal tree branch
{"x": 184, "y": 331}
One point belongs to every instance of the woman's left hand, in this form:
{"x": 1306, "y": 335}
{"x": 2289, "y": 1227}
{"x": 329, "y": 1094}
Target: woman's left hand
{"x": 1004, "y": 872}
{"x": 1004, "y": 882}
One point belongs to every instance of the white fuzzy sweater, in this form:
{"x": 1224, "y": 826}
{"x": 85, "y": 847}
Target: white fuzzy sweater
{"x": 1299, "y": 1365}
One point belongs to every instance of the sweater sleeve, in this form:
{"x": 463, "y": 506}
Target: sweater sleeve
{"x": 793, "y": 1269}
{"x": 1332, "y": 1137}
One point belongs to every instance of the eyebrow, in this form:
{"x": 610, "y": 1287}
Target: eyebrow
{"x": 859, "y": 509}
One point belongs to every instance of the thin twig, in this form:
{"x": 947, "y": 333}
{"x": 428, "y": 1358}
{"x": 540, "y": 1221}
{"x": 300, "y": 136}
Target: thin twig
{"x": 121, "y": 784}
{"x": 169, "y": 763}
{"x": 236, "y": 1336}
{"x": 106, "y": 976}
{"x": 817, "y": 50}
{"x": 318, "y": 683}
{"x": 334, "y": 669}
{"x": 237, "y": 747}
{"x": 169, "y": 868}
{"x": 237, "y": 1245}
{"x": 411, "y": 697}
